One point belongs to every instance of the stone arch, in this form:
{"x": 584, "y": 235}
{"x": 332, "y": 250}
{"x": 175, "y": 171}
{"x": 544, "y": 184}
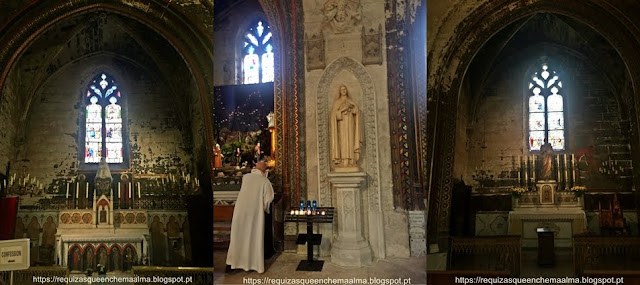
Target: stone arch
{"x": 371, "y": 166}
{"x": 102, "y": 255}
{"x": 89, "y": 257}
{"x": 74, "y": 258}
{"x": 450, "y": 59}
{"x": 192, "y": 43}
{"x": 158, "y": 242}
{"x": 115, "y": 257}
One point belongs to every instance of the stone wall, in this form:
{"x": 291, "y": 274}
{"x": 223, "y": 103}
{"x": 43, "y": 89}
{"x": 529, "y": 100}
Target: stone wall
{"x": 338, "y": 59}
{"x": 52, "y": 140}
{"x": 8, "y": 119}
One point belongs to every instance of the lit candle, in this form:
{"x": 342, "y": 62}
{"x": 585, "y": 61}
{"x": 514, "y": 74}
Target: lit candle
{"x": 292, "y": 212}
{"x": 67, "y": 190}
{"x": 323, "y": 213}
{"x": 296, "y": 212}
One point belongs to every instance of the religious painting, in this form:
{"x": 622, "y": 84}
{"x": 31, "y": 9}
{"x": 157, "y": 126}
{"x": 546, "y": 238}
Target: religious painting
{"x": 103, "y": 257}
{"x": 115, "y": 259}
{"x": 129, "y": 258}
{"x": 89, "y": 258}
{"x": 74, "y": 261}
{"x": 372, "y": 46}
{"x": 315, "y": 52}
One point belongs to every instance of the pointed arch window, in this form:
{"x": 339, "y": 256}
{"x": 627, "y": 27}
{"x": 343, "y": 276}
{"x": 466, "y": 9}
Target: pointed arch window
{"x": 103, "y": 121}
{"x": 546, "y": 110}
{"x": 257, "y": 54}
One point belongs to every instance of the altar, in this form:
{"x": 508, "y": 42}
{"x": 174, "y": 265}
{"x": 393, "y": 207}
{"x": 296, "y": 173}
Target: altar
{"x": 547, "y": 200}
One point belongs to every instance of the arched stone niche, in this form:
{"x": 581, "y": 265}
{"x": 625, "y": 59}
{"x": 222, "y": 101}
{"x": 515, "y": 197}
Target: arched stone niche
{"x": 361, "y": 88}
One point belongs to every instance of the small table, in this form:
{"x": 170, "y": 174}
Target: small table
{"x": 310, "y": 238}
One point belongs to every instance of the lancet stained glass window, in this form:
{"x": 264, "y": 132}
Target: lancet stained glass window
{"x": 546, "y": 110}
{"x": 257, "y": 54}
{"x": 103, "y": 126}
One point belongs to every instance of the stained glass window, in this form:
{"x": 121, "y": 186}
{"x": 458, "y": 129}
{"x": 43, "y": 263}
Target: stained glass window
{"x": 257, "y": 54}
{"x": 546, "y": 110}
{"x": 103, "y": 123}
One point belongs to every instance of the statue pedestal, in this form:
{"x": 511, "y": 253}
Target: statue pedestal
{"x": 350, "y": 248}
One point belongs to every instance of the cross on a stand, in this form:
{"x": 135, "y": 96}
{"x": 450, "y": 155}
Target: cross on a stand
{"x": 321, "y": 215}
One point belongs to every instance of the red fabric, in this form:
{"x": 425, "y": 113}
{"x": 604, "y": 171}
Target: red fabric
{"x": 8, "y": 212}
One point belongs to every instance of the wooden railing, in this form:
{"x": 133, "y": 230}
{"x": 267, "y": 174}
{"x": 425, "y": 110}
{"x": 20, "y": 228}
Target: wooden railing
{"x": 191, "y": 275}
{"x": 605, "y": 253}
{"x": 26, "y": 277}
{"x": 495, "y": 253}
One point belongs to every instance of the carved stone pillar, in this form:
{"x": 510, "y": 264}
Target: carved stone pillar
{"x": 350, "y": 248}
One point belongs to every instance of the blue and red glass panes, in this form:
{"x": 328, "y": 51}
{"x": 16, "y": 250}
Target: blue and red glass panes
{"x": 94, "y": 111}
{"x": 114, "y": 111}
{"x": 536, "y": 139}
{"x": 93, "y": 152}
{"x": 536, "y": 121}
{"x": 536, "y": 103}
{"x": 94, "y": 132}
{"x": 114, "y": 132}
{"x": 556, "y": 121}
{"x": 556, "y": 139}
{"x": 114, "y": 153}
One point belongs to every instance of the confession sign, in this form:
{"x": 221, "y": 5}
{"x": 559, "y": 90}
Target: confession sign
{"x": 14, "y": 254}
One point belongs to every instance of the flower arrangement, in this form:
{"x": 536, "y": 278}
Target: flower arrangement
{"x": 518, "y": 191}
{"x": 578, "y": 190}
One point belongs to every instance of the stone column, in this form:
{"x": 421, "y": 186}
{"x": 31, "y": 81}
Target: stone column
{"x": 350, "y": 248}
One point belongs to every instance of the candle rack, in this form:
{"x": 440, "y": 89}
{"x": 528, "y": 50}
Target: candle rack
{"x": 310, "y": 238}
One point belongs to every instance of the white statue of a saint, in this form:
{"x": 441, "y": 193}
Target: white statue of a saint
{"x": 345, "y": 133}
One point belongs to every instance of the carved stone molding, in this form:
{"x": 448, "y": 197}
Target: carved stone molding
{"x": 315, "y": 52}
{"x": 371, "y": 165}
{"x": 342, "y": 15}
{"x": 372, "y": 46}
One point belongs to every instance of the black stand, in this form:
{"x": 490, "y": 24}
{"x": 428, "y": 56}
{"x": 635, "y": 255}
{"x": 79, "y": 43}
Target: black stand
{"x": 310, "y": 238}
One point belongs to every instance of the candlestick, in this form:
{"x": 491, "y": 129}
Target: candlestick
{"x": 130, "y": 190}
{"x": 87, "y": 190}
{"x": 67, "y": 190}
{"x": 566, "y": 173}
{"x": 138, "y": 185}
{"x": 139, "y": 195}
{"x": 573, "y": 168}
{"x": 118, "y": 193}
{"x": 77, "y": 189}
{"x": 533, "y": 165}
{"x": 526, "y": 171}
{"x": 558, "y": 168}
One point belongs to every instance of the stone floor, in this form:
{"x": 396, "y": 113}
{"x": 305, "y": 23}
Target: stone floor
{"x": 283, "y": 265}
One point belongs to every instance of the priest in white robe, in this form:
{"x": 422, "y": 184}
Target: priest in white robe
{"x": 246, "y": 248}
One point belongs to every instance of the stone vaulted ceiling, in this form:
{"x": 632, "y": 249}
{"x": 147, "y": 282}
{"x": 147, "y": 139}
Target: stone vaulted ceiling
{"x": 98, "y": 33}
{"x": 544, "y": 30}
